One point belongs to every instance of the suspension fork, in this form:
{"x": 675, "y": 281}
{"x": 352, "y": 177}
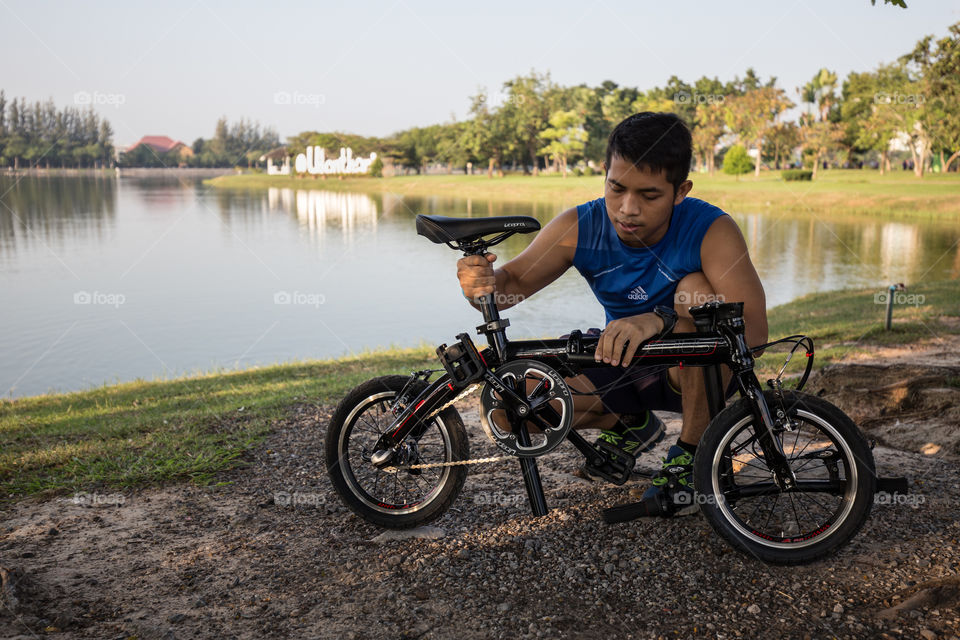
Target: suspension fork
{"x": 772, "y": 449}
{"x": 742, "y": 363}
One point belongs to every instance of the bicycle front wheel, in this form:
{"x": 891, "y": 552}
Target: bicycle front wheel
{"x": 830, "y": 459}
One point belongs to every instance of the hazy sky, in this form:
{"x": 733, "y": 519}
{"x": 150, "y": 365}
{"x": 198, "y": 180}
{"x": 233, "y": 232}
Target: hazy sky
{"x": 372, "y": 68}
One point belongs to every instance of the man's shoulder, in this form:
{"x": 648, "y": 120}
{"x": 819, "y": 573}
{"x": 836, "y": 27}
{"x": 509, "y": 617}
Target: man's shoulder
{"x": 698, "y": 207}
{"x": 591, "y": 206}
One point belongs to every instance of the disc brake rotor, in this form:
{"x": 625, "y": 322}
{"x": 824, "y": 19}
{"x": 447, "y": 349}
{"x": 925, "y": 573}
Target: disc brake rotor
{"x": 551, "y": 408}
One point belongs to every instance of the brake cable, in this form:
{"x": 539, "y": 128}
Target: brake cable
{"x": 798, "y": 341}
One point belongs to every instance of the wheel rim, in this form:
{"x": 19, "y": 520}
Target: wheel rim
{"x": 784, "y": 520}
{"x": 391, "y": 493}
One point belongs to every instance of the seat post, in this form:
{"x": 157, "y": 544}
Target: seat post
{"x": 493, "y": 328}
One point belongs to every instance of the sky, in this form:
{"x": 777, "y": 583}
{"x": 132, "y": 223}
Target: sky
{"x": 372, "y": 68}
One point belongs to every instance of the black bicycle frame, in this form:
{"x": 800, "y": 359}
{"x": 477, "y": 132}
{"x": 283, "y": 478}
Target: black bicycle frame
{"x": 719, "y": 340}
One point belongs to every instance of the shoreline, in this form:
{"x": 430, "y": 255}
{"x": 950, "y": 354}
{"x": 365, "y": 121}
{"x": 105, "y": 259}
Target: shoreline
{"x": 145, "y": 433}
{"x": 115, "y": 171}
{"x": 838, "y": 192}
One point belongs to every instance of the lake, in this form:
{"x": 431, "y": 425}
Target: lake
{"x": 106, "y": 279}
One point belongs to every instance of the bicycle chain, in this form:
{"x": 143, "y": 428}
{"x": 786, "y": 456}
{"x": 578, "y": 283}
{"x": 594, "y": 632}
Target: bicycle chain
{"x": 463, "y": 394}
{"x": 433, "y": 465}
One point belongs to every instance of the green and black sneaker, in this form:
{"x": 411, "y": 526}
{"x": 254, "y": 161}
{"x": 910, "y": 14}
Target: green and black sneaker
{"x": 675, "y": 481}
{"x": 633, "y": 433}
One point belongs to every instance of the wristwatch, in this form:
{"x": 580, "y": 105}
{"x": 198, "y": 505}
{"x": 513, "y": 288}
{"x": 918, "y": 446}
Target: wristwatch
{"x": 669, "y": 317}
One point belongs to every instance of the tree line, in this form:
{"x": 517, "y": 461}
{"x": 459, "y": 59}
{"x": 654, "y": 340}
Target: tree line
{"x": 536, "y": 123}
{"x": 39, "y": 134}
{"x": 238, "y": 144}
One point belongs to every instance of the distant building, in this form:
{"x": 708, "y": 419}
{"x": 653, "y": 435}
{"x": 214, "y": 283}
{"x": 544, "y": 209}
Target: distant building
{"x": 163, "y": 144}
{"x": 279, "y": 154}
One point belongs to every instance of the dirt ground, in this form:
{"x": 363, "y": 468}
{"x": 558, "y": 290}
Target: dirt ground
{"x": 272, "y": 553}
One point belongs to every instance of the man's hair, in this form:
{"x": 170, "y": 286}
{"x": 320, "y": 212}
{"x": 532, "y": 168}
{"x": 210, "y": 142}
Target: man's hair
{"x": 657, "y": 141}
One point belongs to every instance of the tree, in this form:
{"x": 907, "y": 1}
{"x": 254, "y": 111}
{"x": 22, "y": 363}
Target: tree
{"x": 526, "y": 112}
{"x": 754, "y": 113}
{"x": 617, "y": 104}
{"x": 736, "y": 161}
{"x": 488, "y": 136}
{"x": 781, "y": 140}
{"x": 707, "y": 131}
{"x": 452, "y": 146}
{"x": 870, "y": 122}
{"x": 105, "y": 144}
{"x": 564, "y": 137}
{"x": 937, "y": 65}
{"x": 818, "y": 138}
{"x": 821, "y": 92}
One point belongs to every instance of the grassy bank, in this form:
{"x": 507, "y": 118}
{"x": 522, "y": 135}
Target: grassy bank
{"x": 835, "y": 192}
{"x": 146, "y": 433}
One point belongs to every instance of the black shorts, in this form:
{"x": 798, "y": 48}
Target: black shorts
{"x": 637, "y": 389}
{"x": 634, "y": 390}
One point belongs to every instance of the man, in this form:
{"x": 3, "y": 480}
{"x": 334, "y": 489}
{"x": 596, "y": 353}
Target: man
{"x": 644, "y": 244}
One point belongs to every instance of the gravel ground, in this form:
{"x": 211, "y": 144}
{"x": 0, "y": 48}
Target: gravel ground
{"x": 229, "y": 561}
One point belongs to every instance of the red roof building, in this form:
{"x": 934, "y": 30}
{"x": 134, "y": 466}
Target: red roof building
{"x": 162, "y": 144}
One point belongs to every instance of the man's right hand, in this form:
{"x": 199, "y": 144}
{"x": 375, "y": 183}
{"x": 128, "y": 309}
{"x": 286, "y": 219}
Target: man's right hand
{"x": 476, "y": 275}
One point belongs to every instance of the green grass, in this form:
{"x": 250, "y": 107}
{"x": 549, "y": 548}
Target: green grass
{"x": 149, "y": 433}
{"x": 141, "y": 433}
{"x": 843, "y": 323}
{"x": 836, "y": 192}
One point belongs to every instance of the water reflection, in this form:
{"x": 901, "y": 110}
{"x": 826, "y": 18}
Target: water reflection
{"x": 200, "y": 268}
{"x": 794, "y": 255}
{"x": 40, "y": 210}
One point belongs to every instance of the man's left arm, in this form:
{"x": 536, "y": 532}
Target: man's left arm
{"x": 727, "y": 267}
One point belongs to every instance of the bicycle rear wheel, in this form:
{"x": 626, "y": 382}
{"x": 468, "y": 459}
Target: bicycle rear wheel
{"x": 833, "y": 466}
{"x": 396, "y": 499}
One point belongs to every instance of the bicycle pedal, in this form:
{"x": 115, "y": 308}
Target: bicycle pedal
{"x": 615, "y": 464}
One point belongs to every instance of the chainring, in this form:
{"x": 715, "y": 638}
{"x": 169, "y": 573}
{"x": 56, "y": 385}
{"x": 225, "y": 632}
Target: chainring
{"x": 541, "y": 387}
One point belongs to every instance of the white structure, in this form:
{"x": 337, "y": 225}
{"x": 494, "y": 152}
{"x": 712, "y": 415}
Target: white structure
{"x": 274, "y": 170}
{"x": 315, "y": 162}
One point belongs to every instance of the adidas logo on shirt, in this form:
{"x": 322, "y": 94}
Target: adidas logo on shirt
{"x": 638, "y": 294}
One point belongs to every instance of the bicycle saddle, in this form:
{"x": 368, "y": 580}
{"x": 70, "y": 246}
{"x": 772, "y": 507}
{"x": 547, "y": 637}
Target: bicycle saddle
{"x": 441, "y": 229}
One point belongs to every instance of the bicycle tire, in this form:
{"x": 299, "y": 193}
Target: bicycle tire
{"x": 727, "y": 458}
{"x": 345, "y": 466}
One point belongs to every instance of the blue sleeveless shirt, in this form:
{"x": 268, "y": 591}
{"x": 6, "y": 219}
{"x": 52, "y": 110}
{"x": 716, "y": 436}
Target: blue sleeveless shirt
{"x": 629, "y": 281}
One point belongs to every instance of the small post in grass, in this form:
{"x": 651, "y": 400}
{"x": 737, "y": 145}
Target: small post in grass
{"x": 891, "y": 294}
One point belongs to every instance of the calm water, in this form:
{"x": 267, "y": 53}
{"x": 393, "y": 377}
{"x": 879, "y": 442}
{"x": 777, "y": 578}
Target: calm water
{"x": 105, "y": 279}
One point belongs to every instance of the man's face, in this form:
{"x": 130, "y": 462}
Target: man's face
{"x": 639, "y": 201}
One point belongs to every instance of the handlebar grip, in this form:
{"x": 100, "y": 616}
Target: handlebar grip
{"x": 654, "y": 506}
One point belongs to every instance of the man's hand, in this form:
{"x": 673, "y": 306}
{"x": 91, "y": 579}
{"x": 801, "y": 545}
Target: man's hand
{"x": 476, "y": 275}
{"x": 629, "y": 332}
